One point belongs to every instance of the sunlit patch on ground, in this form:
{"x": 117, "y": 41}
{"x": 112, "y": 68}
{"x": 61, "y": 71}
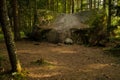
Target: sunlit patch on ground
{"x": 43, "y": 75}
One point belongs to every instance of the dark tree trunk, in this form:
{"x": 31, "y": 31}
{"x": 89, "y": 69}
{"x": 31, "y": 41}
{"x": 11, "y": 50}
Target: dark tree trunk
{"x": 90, "y": 4}
{"x": 15, "y": 17}
{"x": 4, "y": 20}
{"x": 57, "y": 7}
{"x": 35, "y": 14}
{"x": 81, "y": 5}
{"x": 73, "y": 2}
{"x": 104, "y": 4}
{"x": 49, "y": 1}
{"x": 98, "y": 4}
{"x": 109, "y": 17}
{"x": 94, "y": 4}
{"x": 70, "y": 6}
{"x": 65, "y": 6}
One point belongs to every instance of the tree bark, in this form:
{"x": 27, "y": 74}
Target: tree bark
{"x": 73, "y": 6}
{"x": 109, "y": 17}
{"x": 35, "y": 14}
{"x": 94, "y": 4}
{"x": 81, "y": 5}
{"x": 104, "y": 4}
{"x": 57, "y": 6}
{"x": 90, "y": 4}
{"x": 98, "y": 4}
{"x": 65, "y": 6}
{"x": 16, "y": 22}
{"x": 4, "y": 20}
{"x": 78, "y": 5}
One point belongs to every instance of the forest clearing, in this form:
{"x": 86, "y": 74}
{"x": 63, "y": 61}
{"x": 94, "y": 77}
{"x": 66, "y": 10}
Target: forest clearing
{"x": 65, "y": 62}
{"x": 59, "y": 39}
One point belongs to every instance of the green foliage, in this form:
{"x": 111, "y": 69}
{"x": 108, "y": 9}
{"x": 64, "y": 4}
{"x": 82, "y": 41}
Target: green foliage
{"x": 1, "y": 36}
{"x": 45, "y": 16}
{"x": 117, "y": 33}
{"x": 42, "y": 4}
{"x": 13, "y": 76}
{"x": 98, "y": 28}
{"x": 22, "y": 35}
{"x": 114, "y": 51}
{"x": 19, "y": 76}
{"x": 26, "y": 31}
{"x": 97, "y": 18}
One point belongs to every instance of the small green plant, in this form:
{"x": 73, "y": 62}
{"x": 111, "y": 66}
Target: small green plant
{"x": 41, "y": 62}
{"x": 19, "y": 76}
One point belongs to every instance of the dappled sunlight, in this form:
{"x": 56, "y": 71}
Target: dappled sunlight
{"x": 85, "y": 70}
{"x": 69, "y": 52}
{"x": 24, "y": 51}
{"x": 68, "y": 62}
{"x": 43, "y": 75}
{"x": 28, "y": 51}
{"x": 47, "y": 71}
{"x": 47, "y": 68}
{"x": 59, "y": 50}
{"x": 92, "y": 67}
{"x": 40, "y": 68}
{"x": 98, "y": 66}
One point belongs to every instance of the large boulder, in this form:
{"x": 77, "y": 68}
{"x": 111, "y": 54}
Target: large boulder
{"x": 59, "y": 30}
{"x": 68, "y": 41}
{"x": 62, "y": 28}
{"x": 87, "y": 27}
{"x": 53, "y": 36}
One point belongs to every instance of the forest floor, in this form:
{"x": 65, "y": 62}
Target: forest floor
{"x": 64, "y": 62}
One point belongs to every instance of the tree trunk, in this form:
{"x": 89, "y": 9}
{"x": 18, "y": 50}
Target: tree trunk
{"x": 104, "y": 4}
{"x": 73, "y": 6}
{"x": 98, "y": 4}
{"x": 4, "y": 20}
{"x": 35, "y": 14}
{"x": 15, "y": 17}
{"x": 78, "y": 5}
{"x": 109, "y": 17}
{"x": 49, "y": 4}
{"x": 90, "y": 4}
{"x": 70, "y": 6}
{"x": 57, "y": 6}
{"x": 81, "y": 5}
{"x": 64, "y": 6}
{"x": 94, "y": 4}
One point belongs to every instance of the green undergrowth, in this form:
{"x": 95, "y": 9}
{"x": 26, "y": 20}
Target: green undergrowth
{"x": 41, "y": 62}
{"x": 114, "y": 51}
{"x": 14, "y": 75}
{"x": 1, "y": 37}
{"x": 19, "y": 76}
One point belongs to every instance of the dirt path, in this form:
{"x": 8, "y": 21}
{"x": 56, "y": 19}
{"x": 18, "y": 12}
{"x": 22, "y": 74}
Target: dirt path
{"x": 68, "y": 62}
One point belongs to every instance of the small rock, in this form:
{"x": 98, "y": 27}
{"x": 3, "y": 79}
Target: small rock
{"x": 68, "y": 41}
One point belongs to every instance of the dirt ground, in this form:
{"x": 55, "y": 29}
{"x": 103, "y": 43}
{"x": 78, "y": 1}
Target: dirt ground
{"x": 67, "y": 62}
